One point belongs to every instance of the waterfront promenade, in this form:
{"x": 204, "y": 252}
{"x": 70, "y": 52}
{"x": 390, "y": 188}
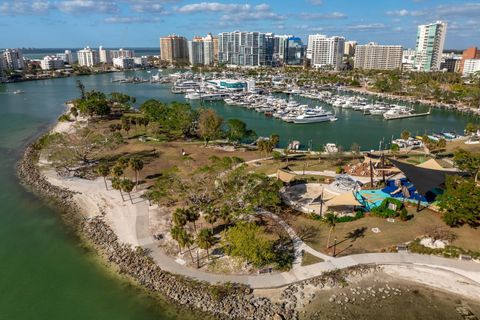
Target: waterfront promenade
{"x": 132, "y": 223}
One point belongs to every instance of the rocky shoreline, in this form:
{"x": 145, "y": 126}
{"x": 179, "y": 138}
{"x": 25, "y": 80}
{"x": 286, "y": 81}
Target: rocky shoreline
{"x": 229, "y": 301}
{"x": 224, "y": 301}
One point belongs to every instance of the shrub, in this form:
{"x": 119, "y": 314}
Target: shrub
{"x": 63, "y": 118}
{"x": 385, "y": 212}
{"x": 276, "y": 155}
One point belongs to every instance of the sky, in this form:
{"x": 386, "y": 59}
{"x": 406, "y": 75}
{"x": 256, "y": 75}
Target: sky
{"x": 140, "y": 23}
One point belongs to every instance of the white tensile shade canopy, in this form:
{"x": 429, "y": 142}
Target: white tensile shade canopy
{"x": 431, "y": 164}
{"x": 344, "y": 199}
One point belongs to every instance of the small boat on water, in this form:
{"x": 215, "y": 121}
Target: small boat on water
{"x": 18, "y": 92}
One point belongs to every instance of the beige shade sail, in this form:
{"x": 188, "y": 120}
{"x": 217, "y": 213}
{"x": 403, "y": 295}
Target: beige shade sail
{"x": 431, "y": 164}
{"x": 344, "y": 199}
{"x": 285, "y": 176}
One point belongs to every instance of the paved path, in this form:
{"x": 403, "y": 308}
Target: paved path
{"x": 467, "y": 269}
{"x": 132, "y": 223}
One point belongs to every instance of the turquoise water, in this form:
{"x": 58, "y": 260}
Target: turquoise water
{"x": 44, "y": 273}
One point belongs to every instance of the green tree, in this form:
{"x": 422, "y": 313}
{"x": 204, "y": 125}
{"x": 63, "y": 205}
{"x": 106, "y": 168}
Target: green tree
{"x": 185, "y": 240}
{"x": 137, "y": 165}
{"x": 209, "y": 125}
{"x": 205, "y": 240}
{"x": 117, "y": 185}
{"x": 275, "y": 139}
{"x": 175, "y": 232}
{"x": 192, "y": 216}
{"x": 460, "y": 202}
{"x": 117, "y": 171}
{"x": 104, "y": 171}
{"x": 127, "y": 186}
{"x": 467, "y": 161}
{"x": 211, "y": 216}
{"x": 330, "y": 220}
{"x": 471, "y": 128}
{"x": 237, "y": 130}
{"x": 250, "y": 242}
{"x": 179, "y": 217}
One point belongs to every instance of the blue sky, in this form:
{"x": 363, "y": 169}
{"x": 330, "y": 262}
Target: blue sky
{"x": 140, "y": 23}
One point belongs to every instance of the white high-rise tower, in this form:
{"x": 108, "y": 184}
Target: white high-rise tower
{"x": 429, "y": 49}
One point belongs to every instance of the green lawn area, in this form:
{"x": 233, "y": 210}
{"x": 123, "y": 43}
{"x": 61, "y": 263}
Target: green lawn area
{"x": 309, "y": 164}
{"x": 358, "y": 237}
{"x": 309, "y": 259}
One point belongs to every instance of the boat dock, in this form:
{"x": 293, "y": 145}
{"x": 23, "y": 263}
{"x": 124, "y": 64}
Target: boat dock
{"x": 404, "y": 116}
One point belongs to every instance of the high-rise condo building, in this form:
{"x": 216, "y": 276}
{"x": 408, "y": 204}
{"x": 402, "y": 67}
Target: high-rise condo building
{"x": 174, "y": 49}
{"x": 470, "y": 53}
{"x": 379, "y": 57}
{"x": 195, "y": 51}
{"x": 241, "y": 48}
{"x": 122, "y": 53}
{"x": 215, "y": 49}
{"x": 104, "y": 55}
{"x": 429, "y": 48}
{"x": 326, "y": 52}
{"x": 279, "y": 47}
{"x": 88, "y": 57}
{"x": 269, "y": 48}
{"x": 350, "y": 48}
{"x": 471, "y": 66}
{"x": 294, "y": 51}
{"x": 209, "y": 49}
{"x": 3, "y": 66}
{"x": 52, "y": 63}
{"x": 13, "y": 59}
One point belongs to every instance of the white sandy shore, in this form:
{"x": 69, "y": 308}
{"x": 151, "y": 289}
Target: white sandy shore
{"x": 133, "y": 225}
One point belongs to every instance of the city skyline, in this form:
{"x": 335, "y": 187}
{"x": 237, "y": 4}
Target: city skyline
{"x": 128, "y": 23}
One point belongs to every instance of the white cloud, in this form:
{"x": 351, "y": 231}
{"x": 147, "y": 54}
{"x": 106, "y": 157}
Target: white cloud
{"x": 215, "y": 7}
{"x": 406, "y": 13}
{"x": 316, "y": 2}
{"x": 366, "y": 27}
{"x": 332, "y": 15}
{"x": 87, "y": 6}
{"x": 24, "y": 7}
{"x": 459, "y": 10}
{"x": 131, "y": 19}
{"x": 232, "y": 12}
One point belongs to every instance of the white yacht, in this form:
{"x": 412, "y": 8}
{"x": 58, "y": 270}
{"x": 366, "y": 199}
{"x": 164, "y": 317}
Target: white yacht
{"x": 313, "y": 116}
{"x": 193, "y": 95}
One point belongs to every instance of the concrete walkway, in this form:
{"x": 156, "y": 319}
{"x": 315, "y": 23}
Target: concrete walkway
{"x": 132, "y": 224}
{"x": 467, "y": 269}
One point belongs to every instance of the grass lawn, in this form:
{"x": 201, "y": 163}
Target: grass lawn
{"x": 309, "y": 259}
{"x": 161, "y": 155}
{"x": 299, "y": 164}
{"x": 358, "y": 237}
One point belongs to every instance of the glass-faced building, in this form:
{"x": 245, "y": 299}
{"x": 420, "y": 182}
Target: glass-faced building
{"x": 294, "y": 51}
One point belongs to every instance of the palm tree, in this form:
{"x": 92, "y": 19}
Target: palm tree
{"x": 122, "y": 162}
{"x": 176, "y": 232}
{"x": 224, "y": 214}
{"x": 211, "y": 216}
{"x": 179, "y": 218}
{"x": 331, "y": 220}
{"x": 137, "y": 165}
{"x": 205, "y": 240}
{"x": 117, "y": 185}
{"x": 192, "y": 215}
{"x": 185, "y": 240}
{"x": 117, "y": 171}
{"x": 104, "y": 171}
{"x": 127, "y": 186}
